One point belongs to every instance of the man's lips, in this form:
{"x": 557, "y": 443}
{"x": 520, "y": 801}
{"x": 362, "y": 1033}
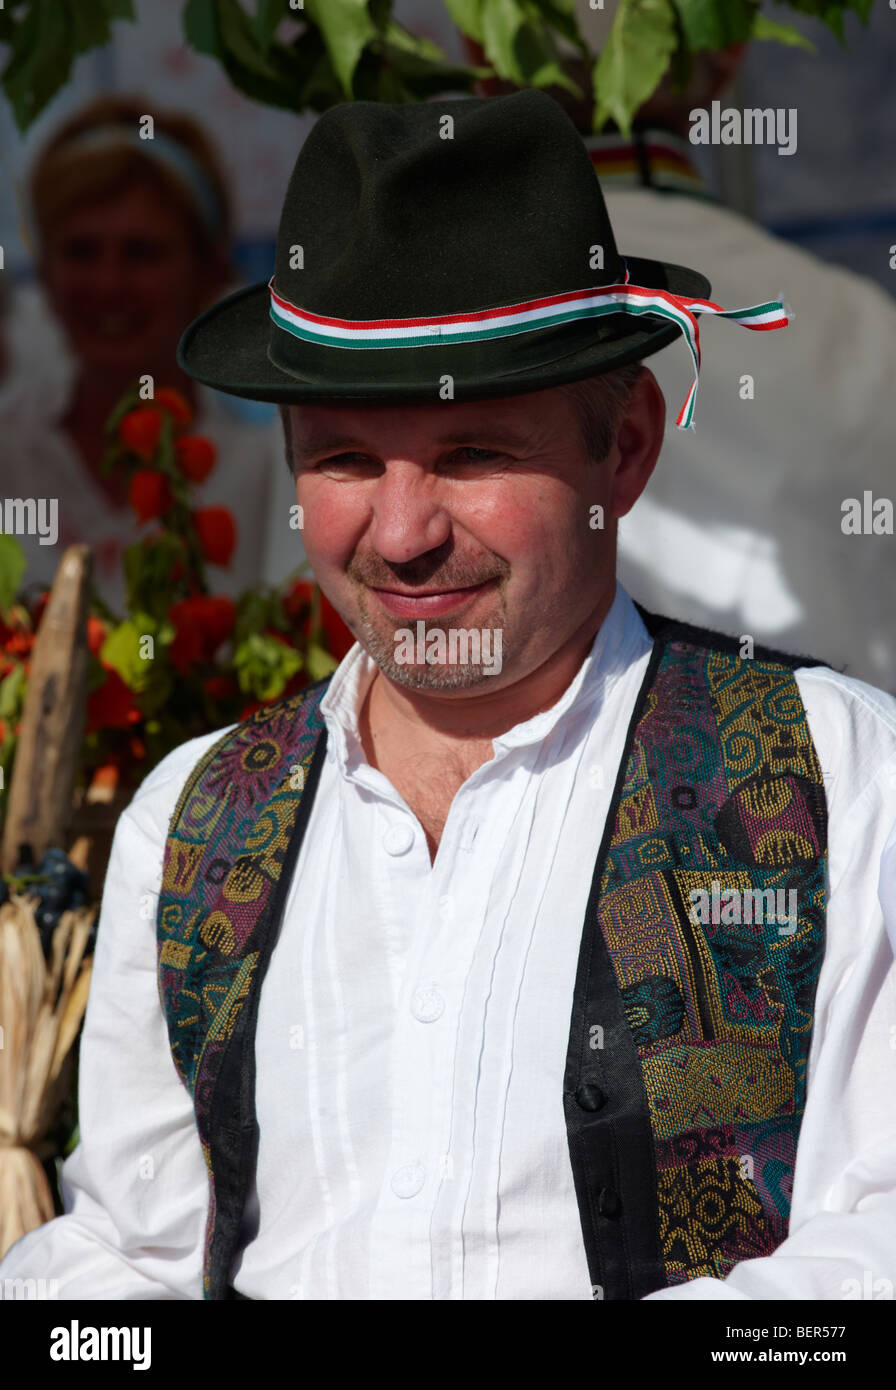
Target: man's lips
{"x": 418, "y": 603}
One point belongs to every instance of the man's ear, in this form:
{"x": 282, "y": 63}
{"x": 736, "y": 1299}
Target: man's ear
{"x": 639, "y": 438}
{"x": 286, "y": 420}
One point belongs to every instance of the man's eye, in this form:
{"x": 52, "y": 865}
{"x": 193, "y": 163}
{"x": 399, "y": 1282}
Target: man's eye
{"x": 340, "y": 458}
{"x": 353, "y": 459}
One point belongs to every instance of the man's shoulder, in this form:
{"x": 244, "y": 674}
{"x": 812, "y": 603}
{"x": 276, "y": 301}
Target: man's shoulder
{"x": 163, "y": 786}
{"x": 177, "y": 765}
{"x": 854, "y": 721}
{"x": 666, "y": 629}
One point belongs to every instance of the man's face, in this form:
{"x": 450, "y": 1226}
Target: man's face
{"x": 476, "y": 515}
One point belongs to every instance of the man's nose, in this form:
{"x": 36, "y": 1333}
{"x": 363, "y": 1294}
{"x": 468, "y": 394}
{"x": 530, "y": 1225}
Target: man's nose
{"x": 409, "y": 513}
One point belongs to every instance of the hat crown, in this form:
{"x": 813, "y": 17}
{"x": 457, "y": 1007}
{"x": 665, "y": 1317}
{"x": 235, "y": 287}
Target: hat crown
{"x": 401, "y": 212}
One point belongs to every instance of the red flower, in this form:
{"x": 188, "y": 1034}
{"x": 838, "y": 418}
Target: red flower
{"x": 96, "y": 634}
{"x": 196, "y": 457}
{"x": 298, "y": 600}
{"x": 149, "y": 494}
{"x": 295, "y": 683}
{"x": 112, "y": 705}
{"x": 19, "y": 642}
{"x": 338, "y": 639}
{"x": 201, "y": 625}
{"x": 221, "y": 687}
{"x": 177, "y": 406}
{"x": 219, "y": 616}
{"x": 217, "y": 534}
{"x": 140, "y": 429}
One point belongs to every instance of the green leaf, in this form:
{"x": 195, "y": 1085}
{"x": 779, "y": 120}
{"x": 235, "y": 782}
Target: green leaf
{"x": 346, "y": 28}
{"x": 51, "y": 34}
{"x": 560, "y": 15}
{"x": 264, "y": 665}
{"x": 200, "y": 24}
{"x": 120, "y": 9}
{"x": 833, "y": 12}
{"x": 12, "y": 568}
{"x": 89, "y": 25}
{"x": 765, "y": 28}
{"x": 318, "y": 663}
{"x": 241, "y": 42}
{"x": 12, "y": 692}
{"x": 270, "y": 73}
{"x": 468, "y": 16}
{"x": 267, "y": 17}
{"x": 121, "y": 651}
{"x": 42, "y": 55}
{"x": 716, "y": 23}
{"x": 521, "y": 51}
{"x": 634, "y": 60}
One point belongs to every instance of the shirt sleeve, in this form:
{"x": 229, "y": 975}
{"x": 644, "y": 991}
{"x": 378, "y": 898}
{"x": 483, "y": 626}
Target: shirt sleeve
{"x": 841, "y": 1243}
{"x": 135, "y": 1189}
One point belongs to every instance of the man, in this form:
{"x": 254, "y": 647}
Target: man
{"x": 409, "y": 1070}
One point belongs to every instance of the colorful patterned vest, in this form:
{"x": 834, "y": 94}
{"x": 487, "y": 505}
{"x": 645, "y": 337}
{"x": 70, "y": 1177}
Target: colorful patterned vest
{"x": 692, "y": 1013}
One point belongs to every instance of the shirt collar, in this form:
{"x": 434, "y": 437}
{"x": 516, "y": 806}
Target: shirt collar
{"x": 621, "y": 639}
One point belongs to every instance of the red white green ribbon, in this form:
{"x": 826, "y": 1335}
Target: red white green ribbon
{"x": 533, "y": 314}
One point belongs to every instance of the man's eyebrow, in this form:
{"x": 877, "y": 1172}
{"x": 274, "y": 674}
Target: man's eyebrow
{"x": 493, "y": 433}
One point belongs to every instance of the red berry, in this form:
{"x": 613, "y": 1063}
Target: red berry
{"x": 139, "y": 431}
{"x": 201, "y": 625}
{"x": 196, "y": 457}
{"x": 217, "y": 534}
{"x": 177, "y": 406}
{"x": 112, "y": 705}
{"x": 149, "y": 494}
{"x": 96, "y": 634}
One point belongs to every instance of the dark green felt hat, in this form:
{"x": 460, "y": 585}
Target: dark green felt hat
{"x": 466, "y": 239}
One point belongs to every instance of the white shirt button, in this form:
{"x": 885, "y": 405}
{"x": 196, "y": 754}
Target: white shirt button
{"x": 398, "y": 839}
{"x": 427, "y": 1004}
{"x": 407, "y": 1181}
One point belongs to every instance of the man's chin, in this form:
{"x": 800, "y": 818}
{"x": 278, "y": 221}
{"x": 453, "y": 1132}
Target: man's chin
{"x": 408, "y": 665}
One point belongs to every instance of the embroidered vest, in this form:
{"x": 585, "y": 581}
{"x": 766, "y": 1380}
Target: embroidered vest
{"x": 692, "y": 1011}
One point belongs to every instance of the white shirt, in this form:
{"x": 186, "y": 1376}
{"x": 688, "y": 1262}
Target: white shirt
{"x": 39, "y": 461}
{"x": 740, "y": 526}
{"x": 413, "y": 1030}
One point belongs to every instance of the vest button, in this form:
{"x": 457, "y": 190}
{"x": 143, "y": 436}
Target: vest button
{"x": 589, "y": 1097}
{"x": 608, "y": 1203}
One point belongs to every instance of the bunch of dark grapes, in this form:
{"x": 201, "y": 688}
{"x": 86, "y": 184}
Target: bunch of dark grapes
{"x": 55, "y": 885}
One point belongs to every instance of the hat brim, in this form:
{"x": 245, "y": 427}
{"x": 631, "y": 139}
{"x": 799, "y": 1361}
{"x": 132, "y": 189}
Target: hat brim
{"x": 227, "y": 348}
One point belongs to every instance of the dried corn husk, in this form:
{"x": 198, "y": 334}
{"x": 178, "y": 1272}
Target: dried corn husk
{"x": 41, "y": 1009}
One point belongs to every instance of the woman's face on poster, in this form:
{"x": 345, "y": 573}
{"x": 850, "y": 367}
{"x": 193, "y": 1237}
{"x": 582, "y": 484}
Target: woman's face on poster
{"x": 124, "y": 278}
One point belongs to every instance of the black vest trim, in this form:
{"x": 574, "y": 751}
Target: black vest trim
{"x": 605, "y": 1102}
{"x": 233, "y": 1136}
{"x": 664, "y": 629}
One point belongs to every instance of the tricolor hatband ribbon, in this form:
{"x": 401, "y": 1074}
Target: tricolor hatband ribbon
{"x": 526, "y": 317}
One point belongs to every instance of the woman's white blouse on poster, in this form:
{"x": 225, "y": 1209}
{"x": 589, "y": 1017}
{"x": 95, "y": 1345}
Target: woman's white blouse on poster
{"x": 39, "y": 461}
{"x": 413, "y": 1030}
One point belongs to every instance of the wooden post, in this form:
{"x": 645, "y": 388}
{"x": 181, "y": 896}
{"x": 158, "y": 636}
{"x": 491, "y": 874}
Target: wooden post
{"x": 46, "y": 759}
